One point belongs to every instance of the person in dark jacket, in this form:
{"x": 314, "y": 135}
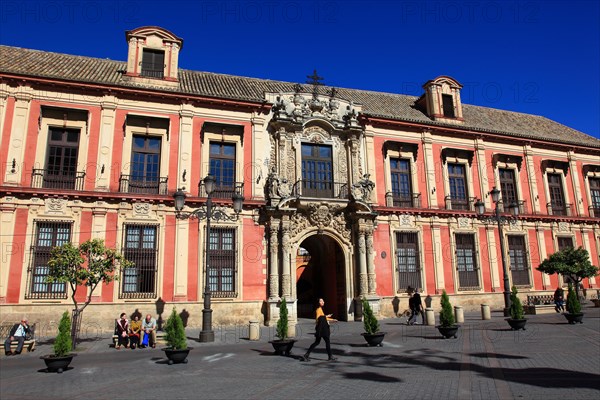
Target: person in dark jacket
{"x": 19, "y": 333}
{"x": 321, "y": 331}
{"x": 121, "y": 330}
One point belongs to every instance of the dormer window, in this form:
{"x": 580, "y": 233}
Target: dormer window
{"x": 153, "y": 53}
{"x": 153, "y": 63}
{"x": 441, "y": 100}
{"x": 448, "y": 104}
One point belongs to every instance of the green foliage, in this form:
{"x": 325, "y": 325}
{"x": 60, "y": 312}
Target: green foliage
{"x": 573, "y": 305}
{"x": 516, "y": 308}
{"x": 446, "y": 315}
{"x": 369, "y": 321}
{"x": 282, "y": 324}
{"x": 62, "y": 343}
{"x": 574, "y": 263}
{"x": 175, "y": 332}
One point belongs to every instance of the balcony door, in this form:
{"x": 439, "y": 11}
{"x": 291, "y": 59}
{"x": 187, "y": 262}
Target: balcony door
{"x": 317, "y": 171}
{"x": 145, "y": 165}
{"x": 401, "y": 185}
{"x": 61, "y": 160}
{"x": 557, "y": 197}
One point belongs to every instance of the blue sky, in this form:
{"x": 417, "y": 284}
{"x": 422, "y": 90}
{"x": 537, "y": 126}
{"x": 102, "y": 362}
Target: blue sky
{"x": 533, "y": 57}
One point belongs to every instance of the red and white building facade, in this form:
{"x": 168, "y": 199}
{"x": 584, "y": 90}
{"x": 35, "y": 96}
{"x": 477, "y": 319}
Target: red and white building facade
{"x": 349, "y": 194}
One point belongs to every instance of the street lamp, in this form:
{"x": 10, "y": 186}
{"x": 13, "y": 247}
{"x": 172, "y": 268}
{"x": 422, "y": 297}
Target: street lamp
{"x": 500, "y": 220}
{"x": 209, "y": 213}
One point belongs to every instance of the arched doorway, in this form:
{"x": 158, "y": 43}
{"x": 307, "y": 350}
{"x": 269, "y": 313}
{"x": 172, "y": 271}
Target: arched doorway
{"x": 320, "y": 273}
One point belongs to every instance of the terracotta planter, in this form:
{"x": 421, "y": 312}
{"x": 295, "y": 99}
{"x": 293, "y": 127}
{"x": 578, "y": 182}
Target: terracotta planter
{"x": 574, "y": 318}
{"x": 57, "y": 364}
{"x": 177, "y": 356}
{"x": 374, "y": 339}
{"x": 448, "y": 331}
{"x": 283, "y": 347}
{"x": 516, "y": 324}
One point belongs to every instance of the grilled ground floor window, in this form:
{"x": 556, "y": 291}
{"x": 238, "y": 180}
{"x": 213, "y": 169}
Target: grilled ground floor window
{"x": 466, "y": 262}
{"x": 140, "y": 247}
{"x": 47, "y": 235}
{"x": 408, "y": 261}
{"x": 221, "y": 262}
{"x": 519, "y": 268}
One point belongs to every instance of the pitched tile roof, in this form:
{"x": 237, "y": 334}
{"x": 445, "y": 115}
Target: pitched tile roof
{"x": 36, "y": 63}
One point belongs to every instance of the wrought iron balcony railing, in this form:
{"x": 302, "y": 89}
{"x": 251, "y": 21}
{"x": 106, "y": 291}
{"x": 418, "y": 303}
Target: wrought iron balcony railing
{"x": 594, "y": 211}
{"x": 565, "y": 209}
{"x": 322, "y": 189}
{"x": 52, "y": 179}
{"x": 460, "y": 203}
{"x": 222, "y": 191}
{"x": 143, "y": 185}
{"x": 152, "y": 71}
{"x": 403, "y": 201}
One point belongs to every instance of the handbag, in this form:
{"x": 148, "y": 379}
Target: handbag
{"x": 145, "y": 340}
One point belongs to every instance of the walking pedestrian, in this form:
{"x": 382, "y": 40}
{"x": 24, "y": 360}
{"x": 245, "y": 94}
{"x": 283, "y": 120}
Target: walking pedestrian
{"x": 322, "y": 331}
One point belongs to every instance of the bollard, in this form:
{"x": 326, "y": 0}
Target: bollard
{"x": 485, "y": 311}
{"x": 429, "y": 317}
{"x": 459, "y": 314}
{"x": 254, "y": 331}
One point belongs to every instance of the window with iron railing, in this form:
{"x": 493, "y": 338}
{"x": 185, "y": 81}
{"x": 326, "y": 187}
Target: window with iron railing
{"x": 402, "y": 194}
{"x": 457, "y": 182}
{"x": 508, "y": 186}
{"x": 153, "y": 63}
{"x": 519, "y": 267}
{"x": 466, "y": 262}
{"x": 145, "y": 167}
{"x": 317, "y": 171}
{"x": 61, "y": 160}
{"x": 222, "y": 159}
{"x": 408, "y": 260}
{"x": 48, "y": 234}
{"x": 140, "y": 246}
{"x": 557, "y": 196}
{"x": 595, "y": 197}
{"x": 222, "y": 268}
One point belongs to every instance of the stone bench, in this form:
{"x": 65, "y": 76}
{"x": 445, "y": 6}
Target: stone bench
{"x": 28, "y": 344}
{"x": 539, "y": 304}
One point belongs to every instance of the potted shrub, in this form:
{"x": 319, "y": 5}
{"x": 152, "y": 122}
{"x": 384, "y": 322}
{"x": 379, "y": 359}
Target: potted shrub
{"x": 447, "y": 327}
{"x": 573, "y": 313}
{"x": 283, "y": 345}
{"x": 517, "y": 316}
{"x": 177, "y": 350}
{"x": 372, "y": 334}
{"x": 60, "y": 360}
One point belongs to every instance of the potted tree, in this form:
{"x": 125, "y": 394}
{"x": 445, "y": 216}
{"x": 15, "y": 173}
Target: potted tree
{"x": 573, "y": 313}
{"x": 447, "y": 327}
{"x": 283, "y": 345}
{"x": 371, "y": 334}
{"x": 60, "y": 360}
{"x": 177, "y": 350}
{"x": 87, "y": 265}
{"x": 516, "y": 320}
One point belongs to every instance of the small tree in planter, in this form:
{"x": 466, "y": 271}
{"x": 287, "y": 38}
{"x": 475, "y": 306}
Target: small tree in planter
{"x": 372, "y": 334}
{"x": 88, "y": 265}
{"x": 447, "y": 327}
{"x": 60, "y": 360}
{"x": 282, "y": 346}
{"x": 573, "y": 313}
{"x": 517, "y": 316}
{"x": 177, "y": 350}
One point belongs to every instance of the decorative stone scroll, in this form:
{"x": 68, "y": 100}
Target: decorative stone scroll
{"x": 55, "y": 206}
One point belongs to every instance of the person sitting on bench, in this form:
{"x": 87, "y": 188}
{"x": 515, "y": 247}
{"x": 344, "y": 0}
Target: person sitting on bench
{"x": 19, "y": 333}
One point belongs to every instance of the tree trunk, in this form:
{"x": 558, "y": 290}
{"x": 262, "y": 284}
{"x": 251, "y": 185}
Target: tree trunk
{"x": 75, "y": 327}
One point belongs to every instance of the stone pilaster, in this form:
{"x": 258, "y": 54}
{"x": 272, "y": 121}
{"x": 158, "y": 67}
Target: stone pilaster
{"x": 186, "y": 133}
{"x": 286, "y": 285}
{"x": 105, "y": 145}
{"x": 372, "y": 282}
{"x": 362, "y": 263}
{"x": 273, "y": 259}
{"x": 18, "y": 136}
{"x": 429, "y": 168}
{"x": 8, "y": 246}
{"x": 531, "y": 174}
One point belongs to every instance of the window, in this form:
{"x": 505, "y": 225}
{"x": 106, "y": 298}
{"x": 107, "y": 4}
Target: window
{"x": 557, "y": 197}
{"x": 222, "y": 167}
{"x": 401, "y": 182}
{"x": 141, "y": 248}
{"x": 508, "y": 186}
{"x": 468, "y": 275}
{"x": 519, "y": 269}
{"x": 595, "y": 195}
{"x": 222, "y": 262}
{"x": 448, "y": 105}
{"x": 47, "y": 236}
{"x": 61, "y": 159}
{"x": 153, "y": 63}
{"x": 407, "y": 256}
{"x": 564, "y": 242}
{"x": 458, "y": 187}
{"x": 145, "y": 165}
{"x": 317, "y": 171}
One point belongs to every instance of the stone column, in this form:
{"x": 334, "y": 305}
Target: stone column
{"x": 105, "y": 145}
{"x": 286, "y": 289}
{"x": 372, "y": 285}
{"x": 273, "y": 259}
{"x": 362, "y": 263}
{"x": 18, "y": 137}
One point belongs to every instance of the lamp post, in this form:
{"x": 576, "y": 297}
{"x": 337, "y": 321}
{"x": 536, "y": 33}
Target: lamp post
{"x": 209, "y": 213}
{"x": 500, "y": 220}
